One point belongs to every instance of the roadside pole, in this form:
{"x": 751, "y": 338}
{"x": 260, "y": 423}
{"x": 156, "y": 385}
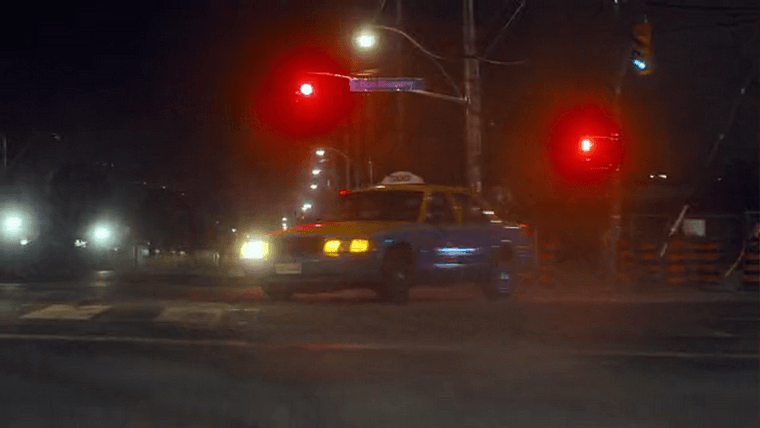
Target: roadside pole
{"x": 612, "y": 236}
{"x": 473, "y": 132}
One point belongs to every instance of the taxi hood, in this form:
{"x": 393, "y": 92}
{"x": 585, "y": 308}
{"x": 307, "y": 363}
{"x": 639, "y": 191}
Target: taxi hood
{"x": 341, "y": 228}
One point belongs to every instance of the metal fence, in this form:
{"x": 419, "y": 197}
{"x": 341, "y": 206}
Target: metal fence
{"x": 699, "y": 255}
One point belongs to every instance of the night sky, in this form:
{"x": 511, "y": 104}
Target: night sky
{"x": 196, "y": 94}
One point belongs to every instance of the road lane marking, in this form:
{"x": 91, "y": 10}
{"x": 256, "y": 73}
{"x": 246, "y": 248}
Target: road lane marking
{"x": 665, "y": 354}
{"x": 67, "y": 312}
{"x": 121, "y": 339}
{"x": 353, "y": 346}
{"x": 205, "y": 314}
{"x": 711, "y": 333}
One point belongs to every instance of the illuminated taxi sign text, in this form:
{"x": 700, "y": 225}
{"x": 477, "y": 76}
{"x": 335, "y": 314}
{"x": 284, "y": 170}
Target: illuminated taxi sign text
{"x": 402, "y": 177}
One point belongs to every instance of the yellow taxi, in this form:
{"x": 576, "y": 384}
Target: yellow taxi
{"x": 392, "y": 237}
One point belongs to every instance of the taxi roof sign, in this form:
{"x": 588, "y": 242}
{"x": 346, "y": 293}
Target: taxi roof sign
{"x": 402, "y": 177}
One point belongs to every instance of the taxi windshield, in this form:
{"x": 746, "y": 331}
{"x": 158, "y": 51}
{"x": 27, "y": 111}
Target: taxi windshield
{"x": 390, "y": 205}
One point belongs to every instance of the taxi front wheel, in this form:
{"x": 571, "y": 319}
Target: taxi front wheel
{"x": 397, "y": 273}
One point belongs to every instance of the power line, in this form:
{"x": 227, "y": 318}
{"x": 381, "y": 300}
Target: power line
{"x": 501, "y": 31}
{"x": 490, "y": 61}
{"x": 748, "y": 10}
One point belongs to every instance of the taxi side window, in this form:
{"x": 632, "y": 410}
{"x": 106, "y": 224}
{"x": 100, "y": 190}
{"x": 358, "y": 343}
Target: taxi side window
{"x": 439, "y": 209}
{"x": 472, "y": 212}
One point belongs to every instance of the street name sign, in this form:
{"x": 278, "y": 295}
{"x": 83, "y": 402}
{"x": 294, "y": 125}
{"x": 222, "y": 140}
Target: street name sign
{"x": 387, "y": 84}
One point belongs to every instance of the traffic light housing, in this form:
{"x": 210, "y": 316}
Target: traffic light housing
{"x": 294, "y": 103}
{"x": 643, "y": 54}
{"x": 600, "y": 153}
{"x": 585, "y": 145}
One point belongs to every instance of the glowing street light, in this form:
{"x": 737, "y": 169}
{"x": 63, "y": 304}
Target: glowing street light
{"x": 320, "y": 152}
{"x": 315, "y": 171}
{"x": 366, "y": 40}
{"x": 313, "y": 186}
{"x": 306, "y": 207}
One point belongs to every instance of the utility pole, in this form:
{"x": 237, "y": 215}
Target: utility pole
{"x": 611, "y": 237}
{"x": 472, "y": 98}
{"x": 400, "y": 64}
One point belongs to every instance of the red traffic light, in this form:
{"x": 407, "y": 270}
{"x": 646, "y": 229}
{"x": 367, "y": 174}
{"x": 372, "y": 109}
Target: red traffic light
{"x": 295, "y": 104}
{"x": 306, "y": 89}
{"x": 586, "y": 145}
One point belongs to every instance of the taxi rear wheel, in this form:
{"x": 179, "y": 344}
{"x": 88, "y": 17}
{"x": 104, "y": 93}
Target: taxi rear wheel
{"x": 396, "y": 276}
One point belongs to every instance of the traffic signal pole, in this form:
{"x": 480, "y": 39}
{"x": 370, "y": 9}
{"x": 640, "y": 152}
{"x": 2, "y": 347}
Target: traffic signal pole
{"x": 473, "y": 131}
{"x": 399, "y": 98}
{"x": 611, "y": 238}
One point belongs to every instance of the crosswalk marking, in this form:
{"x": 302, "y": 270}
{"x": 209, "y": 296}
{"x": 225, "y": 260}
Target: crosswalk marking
{"x": 209, "y": 314}
{"x": 206, "y": 314}
{"x": 67, "y": 312}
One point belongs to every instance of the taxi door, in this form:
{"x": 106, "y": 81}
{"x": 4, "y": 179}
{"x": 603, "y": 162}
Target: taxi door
{"x": 474, "y": 232}
{"x": 437, "y": 256}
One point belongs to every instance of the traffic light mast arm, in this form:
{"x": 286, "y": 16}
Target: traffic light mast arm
{"x": 459, "y": 100}
{"x": 433, "y": 57}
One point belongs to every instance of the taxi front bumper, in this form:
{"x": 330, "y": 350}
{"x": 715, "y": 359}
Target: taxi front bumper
{"x": 323, "y": 273}
{"x": 254, "y": 267}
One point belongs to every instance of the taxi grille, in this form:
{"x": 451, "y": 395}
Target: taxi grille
{"x": 297, "y": 247}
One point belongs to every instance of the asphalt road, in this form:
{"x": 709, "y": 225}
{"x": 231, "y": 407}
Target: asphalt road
{"x": 181, "y": 352}
{"x": 91, "y": 384}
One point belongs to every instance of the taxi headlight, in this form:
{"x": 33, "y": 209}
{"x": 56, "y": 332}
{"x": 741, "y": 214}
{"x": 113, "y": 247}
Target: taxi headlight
{"x": 254, "y": 250}
{"x": 359, "y": 246}
{"x": 332, "y": 246}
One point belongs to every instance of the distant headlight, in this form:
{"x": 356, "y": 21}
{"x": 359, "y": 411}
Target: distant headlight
{"x": 254, "y": 250}
{"x": 18, "y": 225}
{"x": 102, "y": 235}
{"x": 13, "y": 224}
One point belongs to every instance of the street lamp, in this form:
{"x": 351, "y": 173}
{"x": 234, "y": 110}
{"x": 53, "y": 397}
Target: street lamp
{"x": 313, "y": 186}
{"x": 366, "y": 39}
{"x": 315, "y": 171}
{"x": 322, "y": 151}
{"x": 470, "y": 98}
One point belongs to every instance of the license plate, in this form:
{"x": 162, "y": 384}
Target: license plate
{"x": 287, "y": 268}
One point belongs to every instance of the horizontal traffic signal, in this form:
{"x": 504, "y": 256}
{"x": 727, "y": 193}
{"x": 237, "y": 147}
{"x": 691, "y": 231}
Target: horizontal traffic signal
{"x": 585, "y": 145}
{"x": 295, "y": 104}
